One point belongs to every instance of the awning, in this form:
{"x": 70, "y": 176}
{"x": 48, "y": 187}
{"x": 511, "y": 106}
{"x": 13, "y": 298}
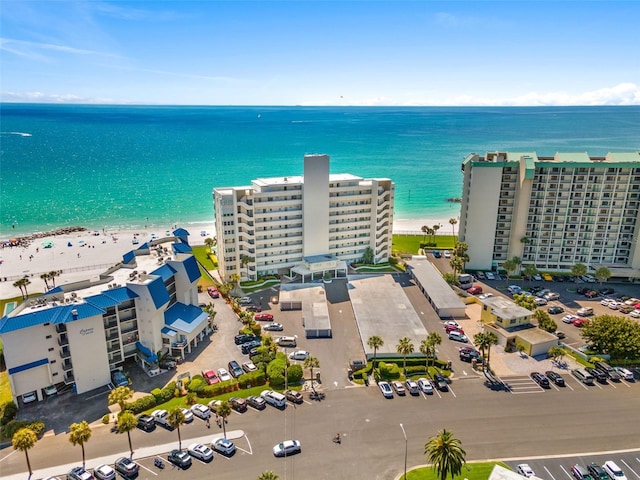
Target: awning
{"x": 169, "y": 332}
{"x": 148, "y": 354}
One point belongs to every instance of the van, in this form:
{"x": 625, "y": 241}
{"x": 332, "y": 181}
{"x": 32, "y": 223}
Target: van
{"x": 582, "y": 375}
{"x": 287, "y": 342}
{"x": 614, "y": 470}
{"x": 580, "y": 472}
{"x": 274, "y": 398}
{"x": 608, "y": 370}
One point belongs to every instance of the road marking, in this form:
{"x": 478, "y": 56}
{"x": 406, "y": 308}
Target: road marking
{"x": 568, "y": 386}
{"x": 629, "y": 467}
{"x": 565, "y": 471}
{"x": 611, "y": 383}
{"x": 464, "y": 372}
{"x": 626, "y": 384}
{"x": 452, "y": 392}
{"x": 4, "y": 458}
{"x": 148, "y": 469}
{"x": 552, "y": 477}
{"x": 554, "y": 386}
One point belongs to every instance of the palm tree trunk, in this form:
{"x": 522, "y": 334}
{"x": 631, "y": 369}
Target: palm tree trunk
{"x": 26, "y": 453}
{"x": 224, "y": 427}
{"x": 83, "y": 460}
{"x": 130, "y": 446}
{"x": 179, "y": 439}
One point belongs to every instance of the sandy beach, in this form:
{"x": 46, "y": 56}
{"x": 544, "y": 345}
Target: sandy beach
{"x": 82, "y": 255}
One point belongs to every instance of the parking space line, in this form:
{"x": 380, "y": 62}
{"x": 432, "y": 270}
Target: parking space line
{"x": 611, "y": 383}
{"x": 554, "y": 386}
{"x": 149, "y": 470}
{"x": 565, "y": 471}
{"x": 552, "y": 477}
{"x": 452, "y": 392}
{"x": 629, "y": 467}
{"x": 626, "y": 384}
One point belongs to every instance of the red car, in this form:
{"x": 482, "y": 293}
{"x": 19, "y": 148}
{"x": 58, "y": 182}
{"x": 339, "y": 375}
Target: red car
{"x": 453, "y": 328}
{"x": 213, "y": 292}
{"x": 580, "y": 322}
{"x": 211, "y": 377}
{"x": 475, "y": 290}
{"x": 266, "y": 317}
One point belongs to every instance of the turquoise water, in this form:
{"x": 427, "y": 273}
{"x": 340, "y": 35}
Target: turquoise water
{"x": 128, "y": 166}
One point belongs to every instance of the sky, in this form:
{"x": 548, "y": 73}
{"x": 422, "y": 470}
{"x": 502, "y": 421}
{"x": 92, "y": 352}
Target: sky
{"x": 299, "y": 52}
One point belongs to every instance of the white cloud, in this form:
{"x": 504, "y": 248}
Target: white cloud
{"x": 31, "y": 50}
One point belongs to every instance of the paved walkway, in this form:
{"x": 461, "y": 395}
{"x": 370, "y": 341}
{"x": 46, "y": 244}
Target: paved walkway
{"x": 140, "y": 453}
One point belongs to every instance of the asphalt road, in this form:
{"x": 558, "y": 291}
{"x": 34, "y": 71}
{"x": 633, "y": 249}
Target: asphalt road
{"x": 489, "y": 424}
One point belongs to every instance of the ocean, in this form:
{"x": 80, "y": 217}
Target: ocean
{"x": 130, "y": 166}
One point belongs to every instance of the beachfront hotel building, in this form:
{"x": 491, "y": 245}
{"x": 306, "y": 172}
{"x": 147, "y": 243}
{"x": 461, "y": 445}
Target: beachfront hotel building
{"x": 302, "y": 225}
{"x": 77, "y": 334}
{"x": 552, "y": 212}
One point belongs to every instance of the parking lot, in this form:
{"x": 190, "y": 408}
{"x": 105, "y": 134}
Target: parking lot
{"x": 560, "y": 468}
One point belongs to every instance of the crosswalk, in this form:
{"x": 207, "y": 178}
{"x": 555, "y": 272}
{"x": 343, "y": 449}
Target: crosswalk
{"x": 520, "y": 384}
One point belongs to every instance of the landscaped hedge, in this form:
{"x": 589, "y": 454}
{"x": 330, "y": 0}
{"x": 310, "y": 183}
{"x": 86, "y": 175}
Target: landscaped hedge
{"x": 8, "y": 412}
{"x": 142, "y": 404}
{"x": 252, "y": 379}
{"x": 14, "y": 425}
{"x": 389, "y": 370}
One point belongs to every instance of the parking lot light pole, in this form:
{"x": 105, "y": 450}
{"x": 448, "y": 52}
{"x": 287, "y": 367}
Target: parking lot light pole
{"x": 405, "y": 452}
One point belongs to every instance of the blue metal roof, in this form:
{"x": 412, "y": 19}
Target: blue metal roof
{"x": 185, "y": 318}
{"x": 180, "y": 232}
{"x": 191, "y": 267}
{"x": 144, "y": 246}
{"x": 57, "y": 289}
{"x": 128, "y": 257}
{"x": 111, "y": 298}
{"x": 181, "y": 248}
{"x": 165, "y": 271}
{"x": 54, "y": 315}
{"x": 158, "y": 292}
{"x": 169, "y": 332}
{"x": 28, "y": 366}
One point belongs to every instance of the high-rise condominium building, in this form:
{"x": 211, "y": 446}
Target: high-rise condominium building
{"x": 552, "y": 212}
{"x": 305, "y": 224}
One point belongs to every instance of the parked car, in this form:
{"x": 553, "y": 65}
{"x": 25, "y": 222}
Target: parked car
{"x": 440, "y": 382}
{"x": 585, "y": 311}
{"x": 213, "y": 292}
{"x": 146, "y": 422}
{"x": 223, "y": 375}
{"x": 119, "y": 379}
{"x": 293, "y": 396}
{"x": 245, "y": 301}
{"x": 188, "y": 416}
{"x": 552, "y": 296}
{"x": 437, "y": 254}
{"x": 467, "y": 354}
{"x": 239, "y": 404}
{"x": 446, "y": 254}
{"x": 127, "y": 467}
{"x": 210, "y": 377}
{"x": 475, "y": 290}
{"x": 580, "y": 322}
{"x": 555, "y": 378}
{"x": 245, "y": 348}
{"x": 50, "y": 390}
{"x": 597, "y": 472}
{"x": 458, "y": 336}
{"x": 554, "y": 310}
{"x": 412, "y": 387}
{"x": 451, "y": 323}
{"x": 453, "y": 328}
{"x": 263, "y": 317}
{"x": 224, "y": 446}
{"x": 514, "y": 289}
{"x": 201, "y": 411}
{"x": 425, "y": 386}
{"x": 614, "y": 471}
{"x": 385, "y": 388}
{"x": 79, "y": 473}
{"x": 569, "y": 318}
{"x": 537, "y": 277}
{"x": 179, "y": 458}
{"x": 273, "y": 327}
{"x": 524, "y": 469}
{"x": 249, "y": 367}
{"x": 540, "y": 301}
{"x": 253, "y": 308}
{"x": 235, "y": 369}
{"x": 540, "y": 379}
{"x": 485, "y": 295}
{"x": 600, "y": 377}
{"x": 480, "y": 275}
{"x": 607, "y": 291}
{"x": 286, "y": 448}
{"x": 490, "y": 276}
{"x": 399, "y": 388}
{"x": 104, "y": 472}
{"x": 560, "y": 334}
{"x": 160, "y": 417}
{"x": 200, "y": 451}
{"x": 214, "y": 404}
{"x": 299, "y": 355}
{"x": 592, "y": 294}
{"x": 547, "y": 278}
{"x": 624, "y": 373}
{"x": 256, "y": 402}
{"x": 244, "y": 338}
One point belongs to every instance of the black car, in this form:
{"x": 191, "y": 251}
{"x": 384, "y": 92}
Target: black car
{"x": 244, "y": 338}
{"x": 257, "y": 402}
{"x": 600, "y": 377}
{"x": 440, "y": 382}
{"x": 535, "y": 288}
{"x": 560, "y": 334}
{"x": 469, "y": 354}
{"x": 597, "y": 472}
{"x": 607, "y": 291}
{"x": 254, "y": 308}
{"x": 146, "y": 422}
{"x": 235, "y": 369}
{"x": 555, "y": 310}
{"x": 582, "y": 290}
{"x": 555, "y": 378}
{"x": 180, "y": 459}
{"x": 540, "y": 379}
{"x": 247, "y": 347}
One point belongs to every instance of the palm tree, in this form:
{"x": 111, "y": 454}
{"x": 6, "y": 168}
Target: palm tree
{"x": 311, "y": 362}
{"x": 425, "y": 349}
{"x": 79, "y": 434}
{"x": 175, "y": 418}
{"x": 53, "y": 274}
{"x": 579, "y": 270}
{"x": 22, "y": 285}
{"x": 446, "y": 454}
{"x": 457, "y": 265}
{"x": 509, "y": 266}
{"x": 120, "y": 395}
{"x": 224, "y": 410}
{"x": 245, "y": 260}
{"x": 435, "y": 229}
{"x": 209, "y": 242}
{"x": 517, "y": 261}
{"x": 374, "y": 342}
{"x": 453, "y": 223}
{"x": 268, "y": 475}
{"x": 127, "y": 422}
{"x": 424, "y": 229}
{"x": 45, "y": 277}
{"x": 491, "y": 339}
{"x": 480, "y": 341}
{"x": 404, "y": 347}
{"x": 24, "y": 440}
{"x": 433, "y": 339}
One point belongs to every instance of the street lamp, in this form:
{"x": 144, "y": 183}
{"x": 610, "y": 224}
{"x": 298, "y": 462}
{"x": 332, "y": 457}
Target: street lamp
{"x": 405, "y": 451}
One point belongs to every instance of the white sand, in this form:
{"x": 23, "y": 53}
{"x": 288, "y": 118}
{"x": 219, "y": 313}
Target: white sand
{"x": 106, "y": 249}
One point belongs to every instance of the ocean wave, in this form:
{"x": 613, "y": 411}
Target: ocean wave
{"x": 21, "y": 134}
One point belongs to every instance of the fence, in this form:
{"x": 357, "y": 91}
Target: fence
{"x": 65, "y": 270}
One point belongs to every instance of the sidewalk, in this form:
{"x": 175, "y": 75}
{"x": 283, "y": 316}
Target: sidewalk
{"x": 140, "y": 453}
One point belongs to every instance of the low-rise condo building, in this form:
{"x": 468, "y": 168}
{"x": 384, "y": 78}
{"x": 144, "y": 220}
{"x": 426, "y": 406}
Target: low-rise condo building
{"x": 303, "y": 225}
{"x": 79, "y": 333}
{"x": 552, "y": 212}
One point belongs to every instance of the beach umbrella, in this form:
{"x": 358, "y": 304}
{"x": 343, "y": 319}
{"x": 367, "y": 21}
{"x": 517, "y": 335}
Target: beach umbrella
{"x": 69, "y": 244}
{"x": 47, "y": 244}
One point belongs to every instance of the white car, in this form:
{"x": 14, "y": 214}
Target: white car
{"x": 525, "y": 470}
{"x": 104, "y": 472}
{"x": 569, "y": 318}
{"x": 188, "y": 416}
{"x": 425, "y": 386}
{"x": 537, "y": 277}
{"x": 224, "y": 446}
{"x": 50, "y": 390}
{"x": 540, "y": 301}
{"x": 451, "y": 323}
{"x": 514, "y": 289}
{"x": 286, "y": 448}
{"x": 201, "y": 411}
{"x": 605, "y": 301}
{"x": 412, "y": 387}
{"x": 490, "y": 276}
{"x": 385, "y": 388}
{"x": 624, "y": 373}
{"x": 29, "y": 397}
{"x": 200, "y": 451}
{"x": 223, "y": 375}
{"x": 214, "y": 404}
{"x": 485, "y": 295}
{"x": 160, "y": 416}
{"x": 273, "y": 327}
{"x": 447, "y": 254}
{"x": 635, "y": 314}
{"x": 299, "y": 355}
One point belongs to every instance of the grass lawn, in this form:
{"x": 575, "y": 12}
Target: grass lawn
{"x": 5, "y": 389}
{"x": 471, "y": 471}
{"x": 201, "y": 252}
{"x": 411, "y": 243}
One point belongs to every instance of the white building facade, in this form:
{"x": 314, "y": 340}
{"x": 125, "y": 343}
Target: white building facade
{"x": 552, "y": 212}
{"x": 76, "y": 334}
{"x": 274, "y": 224}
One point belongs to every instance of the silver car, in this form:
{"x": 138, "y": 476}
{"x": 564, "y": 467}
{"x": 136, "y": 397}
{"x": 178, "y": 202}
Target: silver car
{"x": 202, "y": 452}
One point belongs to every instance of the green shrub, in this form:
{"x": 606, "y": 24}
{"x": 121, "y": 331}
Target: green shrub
{"x": 197, "y": 384}
{"x": 191, "y": 399}
{"x": 8, "y": 412}
{"x": 389, "y": 370}
{"x": 294, "y": 374}
{"x": 14, "y": 425}
{"x": 252, "y": 379}
{"x": 157, "y": 393}
{"x": 142, "y": 404}
{"x": 105, "y": 419}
